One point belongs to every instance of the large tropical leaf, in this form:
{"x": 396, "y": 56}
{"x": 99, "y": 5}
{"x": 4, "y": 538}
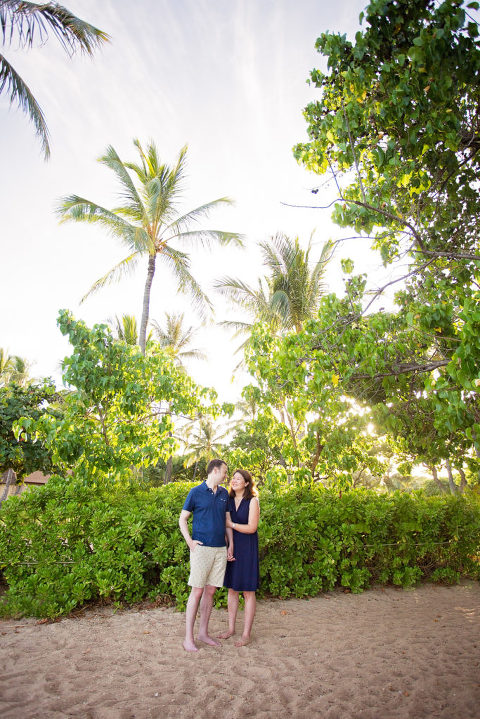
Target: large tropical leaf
{"x": 27, "y": 22}
{"x": 19, "y": 93}
{"x": 128, "y": 192}
{"x": 122, "y": 269}
{"x": 179, "y": 262}
{"x": 79, "y": 209}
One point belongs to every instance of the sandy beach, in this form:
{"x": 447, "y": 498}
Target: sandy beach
{"x": 385, "y": 653}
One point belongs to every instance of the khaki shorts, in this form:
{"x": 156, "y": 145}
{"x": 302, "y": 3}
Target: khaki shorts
{"x": 207, "y": 566}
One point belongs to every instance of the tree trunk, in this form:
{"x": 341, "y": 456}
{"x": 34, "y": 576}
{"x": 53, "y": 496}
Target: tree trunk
{"x": 451, "y": 482}
{"x": 463, "y": 480}
{"x": 142, "y": 336}
{"x": 435, "y": 478}
{"x": 475, "y": 446}
{"x": 168, "y": 470}
{"x": 10, "y": 478}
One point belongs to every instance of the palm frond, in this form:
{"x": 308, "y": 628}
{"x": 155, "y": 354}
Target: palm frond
{"x": 237, "y": 325}
{"x": 128, "y": 192}
{"x": 124, "y": 268}
{"x": 19, "y": 92}
{"x": 206, "y": 238}
{"x": 239, "y": 293}
{"x": 125, "y": 328}
{"x": 28, "y": 21}
{"x": 182, "y": 223}
{"x": 179, "y": 262}
{"x": 78, "y": 209}
{"x": 161, "y": 183}
{"x": 280, "y": 304}
{"x": 176, "y": 337}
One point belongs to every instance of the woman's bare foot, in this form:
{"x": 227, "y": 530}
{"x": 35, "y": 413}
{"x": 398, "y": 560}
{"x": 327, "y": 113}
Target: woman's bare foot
{"x": 189, "y": 646}
{"x": 225, "y": 635}
{"x": 208, "y": 640}
{"x": 242, "y": 642}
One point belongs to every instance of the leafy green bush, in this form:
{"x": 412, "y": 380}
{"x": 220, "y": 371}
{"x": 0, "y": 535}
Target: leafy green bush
{"x": 67, "y": 543}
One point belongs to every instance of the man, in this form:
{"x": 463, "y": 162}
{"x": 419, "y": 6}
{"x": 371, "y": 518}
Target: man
{"x": 208, "y": 551}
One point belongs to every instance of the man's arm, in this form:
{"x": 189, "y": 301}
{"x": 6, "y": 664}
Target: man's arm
{"x": 182, "y": 523}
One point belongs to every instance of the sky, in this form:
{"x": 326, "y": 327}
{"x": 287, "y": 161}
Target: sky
{"x": 226, "y": 77}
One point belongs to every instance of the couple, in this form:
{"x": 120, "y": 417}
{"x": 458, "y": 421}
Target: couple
{"x": 223, "y": 550}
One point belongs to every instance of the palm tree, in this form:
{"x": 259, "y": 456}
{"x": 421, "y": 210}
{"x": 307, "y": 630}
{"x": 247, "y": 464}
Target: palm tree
{"x": 125, "y": 328}
{"x": 13, "y": 369}
{"x": 148, "y": 223}
{"x": 288, "y": 295}
{"x": 177, "y": 338}
{"x": 204, "y": 440}
{"x": 26, "y": 22}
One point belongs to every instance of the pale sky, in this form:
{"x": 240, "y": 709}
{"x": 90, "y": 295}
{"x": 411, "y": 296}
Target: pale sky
{"x": 226, "y": 77}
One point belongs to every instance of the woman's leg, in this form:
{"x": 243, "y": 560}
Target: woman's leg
{"x": 232, "y": 614}
{"x": 250, "y": 607}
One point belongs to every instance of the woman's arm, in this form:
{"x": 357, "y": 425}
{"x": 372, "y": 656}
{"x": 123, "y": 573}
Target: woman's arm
{"x": 229, "y": 538}
{"x": 253, "y": 517}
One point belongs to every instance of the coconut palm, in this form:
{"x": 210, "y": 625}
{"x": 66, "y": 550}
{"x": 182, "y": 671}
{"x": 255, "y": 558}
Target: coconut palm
{"x": 125, "y": 328}
{"x": 288, "y": 295}
{"x": 28, "y": 22}
{"x": 204, "y": 440}
{"x": 177, "y": 338}
{"x": 148, "y": 223}
{"x": 13, "y": 369}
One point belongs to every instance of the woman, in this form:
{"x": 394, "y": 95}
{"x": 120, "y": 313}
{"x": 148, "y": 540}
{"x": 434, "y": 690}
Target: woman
{"x": 242, "y": 574}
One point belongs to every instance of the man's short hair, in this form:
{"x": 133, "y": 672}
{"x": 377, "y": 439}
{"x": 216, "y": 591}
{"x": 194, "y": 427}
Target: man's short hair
{"x": 215, "y": 464}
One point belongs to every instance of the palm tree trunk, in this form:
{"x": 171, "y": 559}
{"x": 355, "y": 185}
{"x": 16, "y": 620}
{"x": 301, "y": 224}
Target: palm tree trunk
{"x": 142, "y": 337}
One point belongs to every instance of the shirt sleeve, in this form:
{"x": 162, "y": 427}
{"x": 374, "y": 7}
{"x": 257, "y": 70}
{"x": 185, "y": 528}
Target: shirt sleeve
{"x": 189, "y": 503}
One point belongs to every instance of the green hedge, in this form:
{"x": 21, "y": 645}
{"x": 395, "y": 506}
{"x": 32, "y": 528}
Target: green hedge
{"x": 67, "y": 544}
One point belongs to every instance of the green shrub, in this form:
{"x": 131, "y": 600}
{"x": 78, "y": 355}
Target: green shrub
{"x": 66, "y": 544}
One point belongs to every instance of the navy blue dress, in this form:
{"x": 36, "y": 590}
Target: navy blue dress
{"x": 242, "y": 574}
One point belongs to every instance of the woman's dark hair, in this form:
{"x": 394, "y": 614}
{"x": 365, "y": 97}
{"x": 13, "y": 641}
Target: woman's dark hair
{"x": 215, "y": 464}
{"x": 250, "y": 490}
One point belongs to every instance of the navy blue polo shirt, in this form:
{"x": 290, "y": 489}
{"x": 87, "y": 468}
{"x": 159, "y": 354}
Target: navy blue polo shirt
{"x": 209, "y": 510}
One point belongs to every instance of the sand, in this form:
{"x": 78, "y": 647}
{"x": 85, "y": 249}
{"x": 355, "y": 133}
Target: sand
{"x": 382, "y": 654}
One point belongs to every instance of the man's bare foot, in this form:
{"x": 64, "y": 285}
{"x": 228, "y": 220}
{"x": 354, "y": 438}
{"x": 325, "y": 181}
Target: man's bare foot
{"x": 242, "y": 642}
{"x": 225, "y": 635}
{"x": 208, "y": 640}
{"x": 189, "y": 646}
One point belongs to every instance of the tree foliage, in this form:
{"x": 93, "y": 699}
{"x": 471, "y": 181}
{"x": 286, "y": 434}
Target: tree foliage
{"x": 24, "y": 454}
{"x": 117, "y": 414}
{"x": 397, "y": 126}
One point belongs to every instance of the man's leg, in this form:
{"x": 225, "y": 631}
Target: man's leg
{"x": 190, "y": 616}
{"x": 205, "y": 610}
